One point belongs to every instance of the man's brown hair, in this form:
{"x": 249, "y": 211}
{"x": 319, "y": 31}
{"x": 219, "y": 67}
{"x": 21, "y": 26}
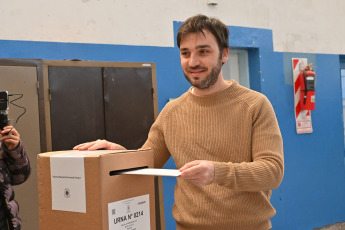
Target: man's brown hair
{"x": 198, "y": 23}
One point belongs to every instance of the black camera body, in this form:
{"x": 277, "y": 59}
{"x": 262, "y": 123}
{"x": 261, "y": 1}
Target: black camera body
{"x": 3, "y": 100}
{"x": 3, "y": 109}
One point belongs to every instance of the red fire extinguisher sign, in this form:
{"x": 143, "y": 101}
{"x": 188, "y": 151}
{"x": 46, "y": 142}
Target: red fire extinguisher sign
{"x": 304, "y": 88}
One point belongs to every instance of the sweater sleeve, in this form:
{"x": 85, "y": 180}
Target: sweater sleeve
{"x": 156, "y": 141}
{"x": 18, "y": 164}
{"x": 265, "y": 171}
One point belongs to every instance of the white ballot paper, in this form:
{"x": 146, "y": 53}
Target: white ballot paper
{"x": 154, "y": 172}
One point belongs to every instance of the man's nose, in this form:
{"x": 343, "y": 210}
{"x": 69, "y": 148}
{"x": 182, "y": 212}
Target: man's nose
{"x": 194, "y": 60}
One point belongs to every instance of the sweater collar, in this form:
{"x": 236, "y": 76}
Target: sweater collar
{"x": 215, "y": 95}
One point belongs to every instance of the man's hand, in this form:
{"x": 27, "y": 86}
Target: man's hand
{"x": 198, "y": 172}
{"x": 99, "y": 144}
{"x": 10, "y": 137}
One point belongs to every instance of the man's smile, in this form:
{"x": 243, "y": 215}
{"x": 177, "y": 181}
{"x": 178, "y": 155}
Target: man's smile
{"x": 196, "y": 72}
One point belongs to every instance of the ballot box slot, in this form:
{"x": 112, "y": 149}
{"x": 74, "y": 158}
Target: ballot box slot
{"x": 121, "y": 171}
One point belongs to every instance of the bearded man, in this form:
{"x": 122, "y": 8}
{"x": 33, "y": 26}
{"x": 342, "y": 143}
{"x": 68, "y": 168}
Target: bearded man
{"x": 223, "y": 137}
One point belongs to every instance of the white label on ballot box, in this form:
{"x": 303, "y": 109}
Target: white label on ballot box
{"x": 68, "y": 181}
{"x": 130, "y": 214}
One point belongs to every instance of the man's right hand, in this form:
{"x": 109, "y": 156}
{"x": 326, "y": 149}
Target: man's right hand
{"x": 99, "y": 144}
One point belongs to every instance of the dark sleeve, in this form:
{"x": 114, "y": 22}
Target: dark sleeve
{"x": 18, "y": 164}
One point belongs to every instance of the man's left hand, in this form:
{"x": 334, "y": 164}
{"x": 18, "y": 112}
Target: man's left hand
{"x": 10, "y": 137}
{"x": 198, "y": 172}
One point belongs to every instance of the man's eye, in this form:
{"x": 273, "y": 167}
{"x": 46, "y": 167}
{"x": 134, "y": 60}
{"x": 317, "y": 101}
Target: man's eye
{"x": 204, "y": 51}
{"x": 184, "y": 53}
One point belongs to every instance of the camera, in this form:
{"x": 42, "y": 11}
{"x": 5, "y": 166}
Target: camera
{"x": 3, "y": 100}
{"x": 3, "y": 109}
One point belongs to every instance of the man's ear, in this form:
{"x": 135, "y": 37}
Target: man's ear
{"x": 225, "y": 55}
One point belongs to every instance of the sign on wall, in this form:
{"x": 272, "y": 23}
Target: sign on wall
{"x": 302, "y": 117}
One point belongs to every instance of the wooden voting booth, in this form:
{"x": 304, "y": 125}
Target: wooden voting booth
{"x": 71, "y": 102}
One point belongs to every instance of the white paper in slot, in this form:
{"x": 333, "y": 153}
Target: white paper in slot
{"x": 154, "y": 172}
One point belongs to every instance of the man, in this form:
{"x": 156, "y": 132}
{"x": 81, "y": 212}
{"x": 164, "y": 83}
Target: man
{"x": 223, "y": 137}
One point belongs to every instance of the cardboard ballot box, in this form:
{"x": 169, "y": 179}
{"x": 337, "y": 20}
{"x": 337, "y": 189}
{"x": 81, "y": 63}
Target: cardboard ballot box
{"x": 81, "y": 190}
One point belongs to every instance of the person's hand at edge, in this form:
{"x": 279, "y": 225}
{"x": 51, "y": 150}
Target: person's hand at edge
{"x": 10, "y": 137}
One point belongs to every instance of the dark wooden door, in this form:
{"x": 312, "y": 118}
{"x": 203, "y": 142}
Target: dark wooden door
{"x": 89, "y": 103}
{"x": 129, "y": 111}
{"x": 76, "y": 106}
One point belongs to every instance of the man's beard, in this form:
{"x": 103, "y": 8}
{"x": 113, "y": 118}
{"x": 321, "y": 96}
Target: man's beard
{"x": 210, "y": 79}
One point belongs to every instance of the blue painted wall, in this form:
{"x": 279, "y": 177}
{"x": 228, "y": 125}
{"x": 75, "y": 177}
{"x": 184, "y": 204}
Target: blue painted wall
{"x": 312, "y": 192}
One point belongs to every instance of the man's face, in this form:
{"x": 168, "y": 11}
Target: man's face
{"x": 201, "y": 59}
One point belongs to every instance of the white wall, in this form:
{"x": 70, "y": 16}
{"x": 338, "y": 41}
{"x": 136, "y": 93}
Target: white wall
{"x": 312, "y": 26}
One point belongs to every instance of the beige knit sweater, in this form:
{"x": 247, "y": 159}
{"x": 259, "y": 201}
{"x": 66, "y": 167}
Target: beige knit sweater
{"x": 237, "y": 129}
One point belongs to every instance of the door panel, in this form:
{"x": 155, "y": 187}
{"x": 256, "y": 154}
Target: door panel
{"x": 76, "y": 106}
{"x": 129, "y": 111}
